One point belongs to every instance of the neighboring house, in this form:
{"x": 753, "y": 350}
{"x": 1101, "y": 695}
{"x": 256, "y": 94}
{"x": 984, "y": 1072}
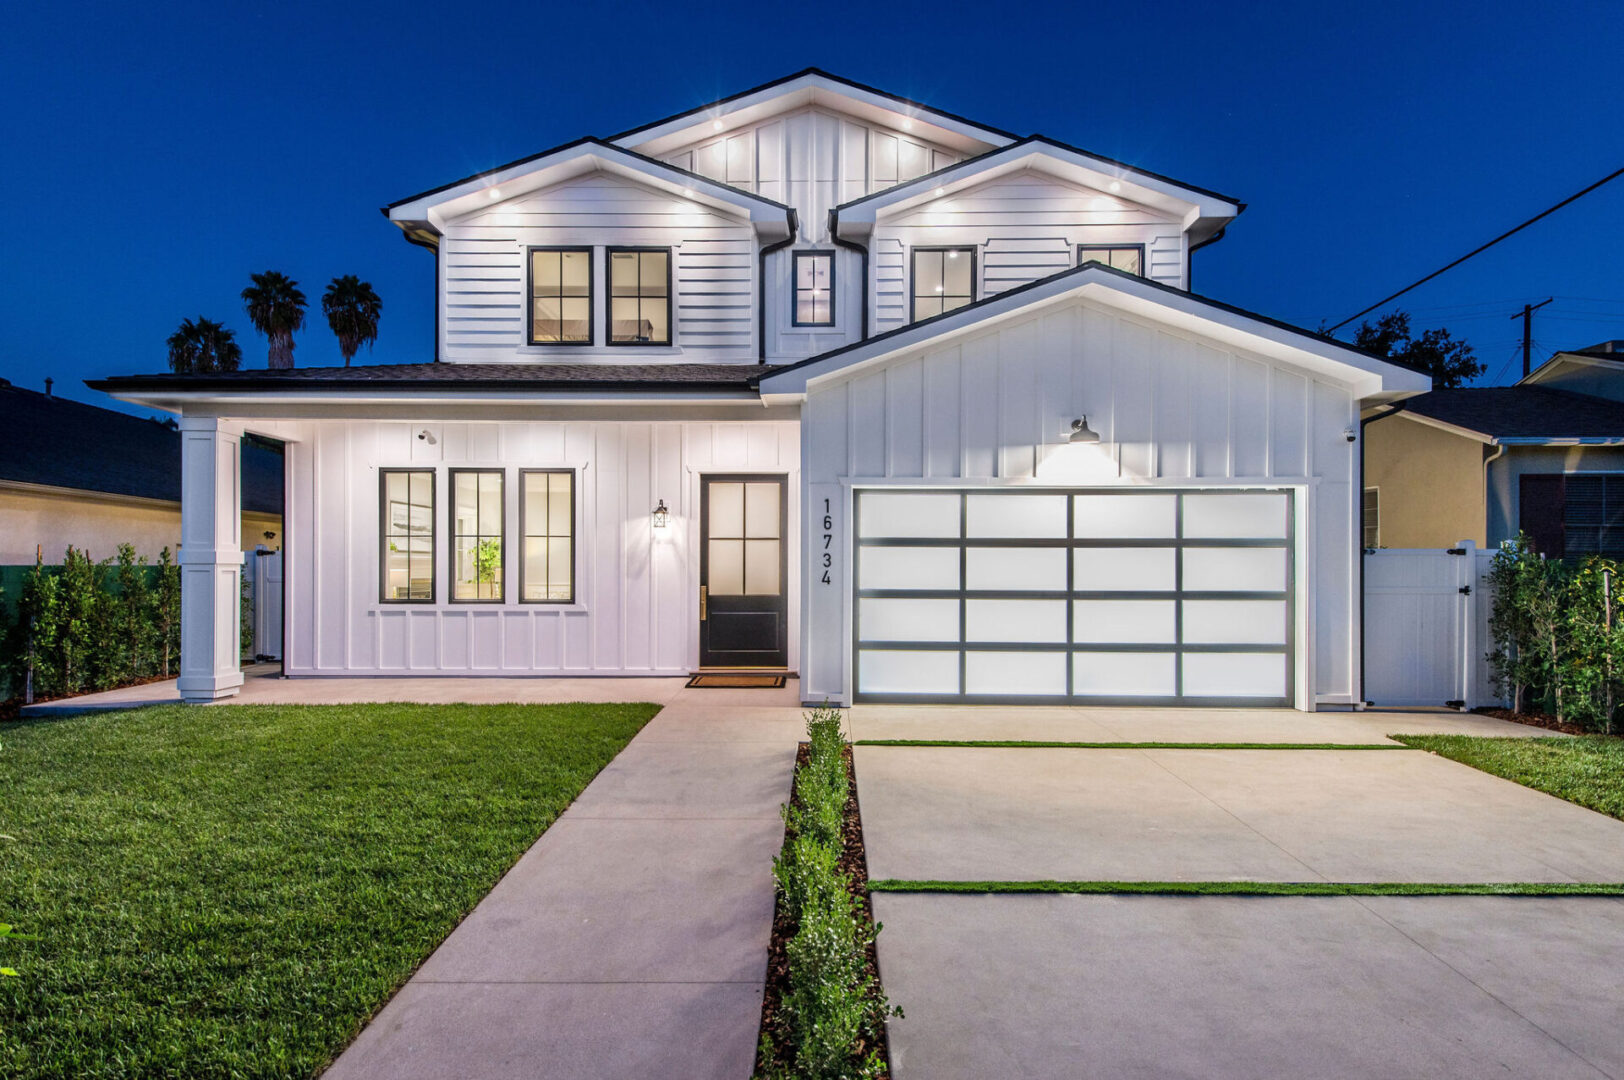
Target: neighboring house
{"x": 1544, "y": 457}
{"x": 72, "y": 473}
{"x": 798, "y": 379}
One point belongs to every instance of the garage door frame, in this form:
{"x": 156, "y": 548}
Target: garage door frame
{"x": 963, "y": 542}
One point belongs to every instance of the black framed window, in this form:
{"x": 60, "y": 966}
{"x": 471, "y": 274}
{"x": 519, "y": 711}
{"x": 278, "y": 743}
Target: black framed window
{"x": 547, "y": 528}
{"x": 478, "y": 525}
{"x": 639, "y": 296}
{"x": 814, "y": 288}
{"x": 943, "y": 279}
{"x": 406, "y": 530}
{"x": 561, "y": 296}
{"x": 1129, "y": 257}
{"x": 1571, "y": 515}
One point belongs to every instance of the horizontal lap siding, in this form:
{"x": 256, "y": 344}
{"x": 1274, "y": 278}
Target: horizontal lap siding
{"x": 1167, "y": 406}
{"x": 484, "y": 276}
{"x": 637, "y": 608}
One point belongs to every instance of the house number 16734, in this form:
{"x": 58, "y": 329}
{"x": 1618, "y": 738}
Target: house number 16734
{"x": 827, "y": 553}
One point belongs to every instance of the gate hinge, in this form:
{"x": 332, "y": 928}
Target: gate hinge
{"x": 1466, "y": 590}
{"x": 1455, "y": 704}
{"x": 1455, "y": 551}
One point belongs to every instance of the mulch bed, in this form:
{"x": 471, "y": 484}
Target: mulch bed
{"x": 1539, "y": 720}
{"x": 853, "y": 863}
{"x": 11, "y": 708}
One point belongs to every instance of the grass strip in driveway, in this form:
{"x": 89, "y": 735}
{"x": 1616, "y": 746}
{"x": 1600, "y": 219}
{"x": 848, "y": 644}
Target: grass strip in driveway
{"x": 1255, "y": 888}
{"x": 233, "y": 891}
{"x": 1041, "y": 744}
{"x": 1588, "y": 770}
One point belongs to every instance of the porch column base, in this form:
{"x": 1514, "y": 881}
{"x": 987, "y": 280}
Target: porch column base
{"x": 202, "y": 689}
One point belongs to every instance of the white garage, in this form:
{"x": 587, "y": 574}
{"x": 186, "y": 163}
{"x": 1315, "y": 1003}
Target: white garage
{"x": 1085, "y": 596}
{"x": 1201, "y": 548}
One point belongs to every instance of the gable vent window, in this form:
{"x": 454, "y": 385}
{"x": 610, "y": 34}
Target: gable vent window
{"x": 814, "y": 288}
{"x": 1129, "y": 257}
{"x": 560, "y": 296}
{"x": 639, "y": 296}
{"x": 943, "y": 279}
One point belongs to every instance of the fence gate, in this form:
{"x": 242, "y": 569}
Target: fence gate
{"x": 1425, "y": 617}
{"x": 267, "y": 593}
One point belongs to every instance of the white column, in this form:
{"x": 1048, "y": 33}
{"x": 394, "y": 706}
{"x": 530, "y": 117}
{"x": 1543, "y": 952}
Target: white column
{"x": 211, "y": 559}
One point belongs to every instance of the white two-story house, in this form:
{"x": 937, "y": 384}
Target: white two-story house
{"x": 819, "y": 379}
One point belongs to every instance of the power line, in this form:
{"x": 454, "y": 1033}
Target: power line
{"x": 1479, "y": 250}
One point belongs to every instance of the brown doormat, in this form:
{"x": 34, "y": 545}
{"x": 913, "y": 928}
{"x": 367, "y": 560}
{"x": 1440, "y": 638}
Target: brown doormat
{"x": 736, "y": 682}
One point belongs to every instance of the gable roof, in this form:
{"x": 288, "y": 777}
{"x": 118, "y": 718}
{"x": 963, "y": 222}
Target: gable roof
{"x": 1375, "y": 377}
{"x": 1199, "y": 210}
{"x": 1521, "y": 414}
{"x": 54, "y": 442}
{"x": 807, "y": 86}
{"x": 1594, "y": 357}
{"x": 555, "y": 165}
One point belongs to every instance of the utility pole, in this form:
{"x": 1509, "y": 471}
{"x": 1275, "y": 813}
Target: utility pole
{"x": 1527, "y": 316}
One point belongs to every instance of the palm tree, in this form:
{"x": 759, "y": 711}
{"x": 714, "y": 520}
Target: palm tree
{"x": 203, "y": 346}
{"x": 276, "y": 307}
{"x": 352, "y": 310}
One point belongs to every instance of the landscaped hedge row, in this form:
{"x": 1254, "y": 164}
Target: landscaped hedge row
{"x": 1556, "y": 635}
{"x": 830, "y": 1017}
{"x": 87, "y": 625}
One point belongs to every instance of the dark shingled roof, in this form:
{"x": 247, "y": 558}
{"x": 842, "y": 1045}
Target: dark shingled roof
{"x": 1522, "y": 412}
{"x": 67, "y": 444}
{"x": 538, "y": 376}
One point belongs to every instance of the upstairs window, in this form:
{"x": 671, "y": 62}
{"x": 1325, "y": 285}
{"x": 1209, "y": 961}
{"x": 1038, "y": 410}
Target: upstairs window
{"x": 406, "y": 562}
{"x": 639, "y": 296}
{"x": 1129, "y": 257}
{"x": 547, "y": 521}
{"x": 814, "y": 288}
{"x": 478, "y": 520}
{"x": 560, "y": 296}
{"x": 943, "y": 279}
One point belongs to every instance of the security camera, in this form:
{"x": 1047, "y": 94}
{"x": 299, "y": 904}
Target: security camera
{"x": 1351, "y": 435}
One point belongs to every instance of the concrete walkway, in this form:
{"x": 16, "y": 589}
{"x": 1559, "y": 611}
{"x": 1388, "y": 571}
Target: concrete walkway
{"x": 631, "y": 940}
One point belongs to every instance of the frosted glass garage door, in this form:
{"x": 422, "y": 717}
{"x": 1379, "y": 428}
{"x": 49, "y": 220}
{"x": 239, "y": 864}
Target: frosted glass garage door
{"x": 1151, "y": 596}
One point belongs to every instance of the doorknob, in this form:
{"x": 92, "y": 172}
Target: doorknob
{"x": 704, "y": 596}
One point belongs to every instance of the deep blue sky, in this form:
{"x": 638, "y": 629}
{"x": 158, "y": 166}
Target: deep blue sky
{"x": 157, "y": 154}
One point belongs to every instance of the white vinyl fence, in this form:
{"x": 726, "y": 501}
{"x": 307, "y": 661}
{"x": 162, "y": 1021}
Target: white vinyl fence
{"x": 264, "y": 575}
{"x": 1426, "y": 627}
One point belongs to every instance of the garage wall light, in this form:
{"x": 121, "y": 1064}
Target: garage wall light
{"x": 661, "y": 514}
{"x": 1081, "y": 432}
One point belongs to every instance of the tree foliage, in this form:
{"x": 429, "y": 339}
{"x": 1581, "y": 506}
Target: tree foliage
{"x": 277, "y": 309}
{"x": 1450, "y": 362}
{"x": 203, "y": 346}
{"x": 352, "y": 309}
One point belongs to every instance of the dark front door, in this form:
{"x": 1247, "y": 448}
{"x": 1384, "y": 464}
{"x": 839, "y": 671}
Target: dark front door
{"x": 743, "y": 606}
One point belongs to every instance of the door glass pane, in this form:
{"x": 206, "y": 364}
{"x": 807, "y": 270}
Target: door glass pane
{"x": 919, "y": 514}
{"x": 1145, "y": 517}
{"x": 1015, "y": 673}
{"x": 1015, "y": 568}
{"x": 1236, "y": 515}
{"x": 1019, "y": 516}
{"x": 1124, "y": 622}
{"x": 761, "y": 566}
{"x": 726, "y": 570}
{"x": 1124, "y": 674}
{"x": 1015, "y": 620}
{"x": 1235, "y": 569}
{"x": 1124, "y": 569}
{"x": 726, "y": 511}
{"x": 761, "y": 510}
{"x": 1235, "y": 622}
{"x": 886, "y": 671}
{"x": 885, "y": 619}
{"x": 1235, "y": 675}
{"x": 908, "y": 568}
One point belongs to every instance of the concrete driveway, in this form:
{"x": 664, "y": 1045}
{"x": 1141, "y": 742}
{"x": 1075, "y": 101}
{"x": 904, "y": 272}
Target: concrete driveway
{"x": 1215, "y": 986}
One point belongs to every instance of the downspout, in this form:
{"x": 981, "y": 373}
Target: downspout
{"x": 1359, "y": 490}
{"x": 761, "y": 281}
{"x": 862, "y": 251}
{"x": 1499, "y": 450}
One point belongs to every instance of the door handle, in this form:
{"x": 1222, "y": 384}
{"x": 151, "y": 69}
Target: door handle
{"x": 704, "y": 597}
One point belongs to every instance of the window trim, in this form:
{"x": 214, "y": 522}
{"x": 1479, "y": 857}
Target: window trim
{"x": 524, "y": 532}
{"x": 609, "y": 254}
{"x": 530, "y": 296}
{"x": 451, "y": 537}
{"x": 1144, "y": 266}
{"x": 383, "y": 536}
{"x": 913, "y": 264}
{"x": 795, "y": 288}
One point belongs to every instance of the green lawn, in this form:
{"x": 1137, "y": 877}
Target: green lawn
{"x": 1586, "y": 770}
{"x": 233, "y": 891}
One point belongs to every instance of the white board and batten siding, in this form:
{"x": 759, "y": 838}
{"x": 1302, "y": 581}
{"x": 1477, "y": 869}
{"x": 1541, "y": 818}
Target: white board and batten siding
{"x": 1171, "y": 409}
{"x": 1024, "y": 227}
{"x": 484, "y": 278}
{"x": 636, "y": 606}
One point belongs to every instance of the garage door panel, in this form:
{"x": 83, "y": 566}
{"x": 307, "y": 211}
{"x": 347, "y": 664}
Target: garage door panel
{"x": 1157, "y": 596}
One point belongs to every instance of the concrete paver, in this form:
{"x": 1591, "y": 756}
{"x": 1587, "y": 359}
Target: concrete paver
{"x": 1246, "y": 987}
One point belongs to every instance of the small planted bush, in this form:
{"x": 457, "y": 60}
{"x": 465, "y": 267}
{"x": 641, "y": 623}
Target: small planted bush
{"x": 832, "y": 1012}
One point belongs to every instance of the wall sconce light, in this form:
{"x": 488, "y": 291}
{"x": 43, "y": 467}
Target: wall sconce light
{"x": 661, "y": 514}
{"x": 1081, "y": 432}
